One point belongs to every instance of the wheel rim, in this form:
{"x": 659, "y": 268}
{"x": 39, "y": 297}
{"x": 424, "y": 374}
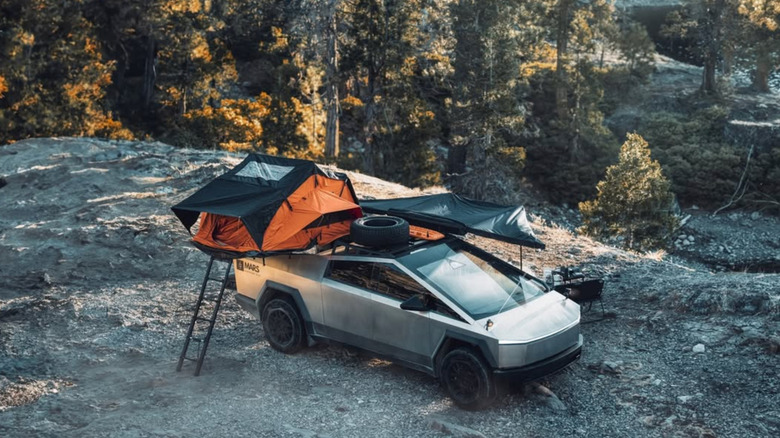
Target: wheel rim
{"x": 281, "y": 327}
{"x": 463, "y": 381}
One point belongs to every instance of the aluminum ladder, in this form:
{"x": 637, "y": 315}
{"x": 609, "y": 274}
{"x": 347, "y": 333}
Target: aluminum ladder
{"x": 201, "y": 327}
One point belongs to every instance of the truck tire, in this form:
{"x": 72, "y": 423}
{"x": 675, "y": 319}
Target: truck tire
{"x": 283, "y": 325}
{"x": 377, "y": 231}
{"x": 467, "y": 379}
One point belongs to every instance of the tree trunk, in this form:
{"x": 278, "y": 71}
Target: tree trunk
{"x": 370, "y": 124}
{"x": 332, "y": 129}
{"x": 562, "y": 44}
{"x": 708, "y": 84}
{"x": 574, "y": 147}
{"x": 332, "y": 86}
{"x": 183, "y": 105}
{"x": 763, "y": 67}
{"x": 150, "y": 72}
{"x": 712, "y": 40}
{"x": 119, "y": 74}
{"x": 728, "y": 61}
{"x": 456, "y": 158}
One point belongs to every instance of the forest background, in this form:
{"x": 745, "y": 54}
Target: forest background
{"x": 483, "y": 96}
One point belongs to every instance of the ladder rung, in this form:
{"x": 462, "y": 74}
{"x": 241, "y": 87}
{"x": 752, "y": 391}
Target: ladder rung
{"x": 225, "y": 279}
{"x": 208, "y": 297}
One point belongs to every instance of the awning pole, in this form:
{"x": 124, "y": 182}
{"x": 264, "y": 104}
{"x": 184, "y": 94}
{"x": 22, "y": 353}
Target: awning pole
{"x": 521, "y": 258}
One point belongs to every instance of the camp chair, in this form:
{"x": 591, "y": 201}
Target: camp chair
{"x": 579, "y": 289}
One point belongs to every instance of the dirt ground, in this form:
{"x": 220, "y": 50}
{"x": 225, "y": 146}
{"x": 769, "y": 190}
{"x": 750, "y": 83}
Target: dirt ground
{"x": 98, "y": 282}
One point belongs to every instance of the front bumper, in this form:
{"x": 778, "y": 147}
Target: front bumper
{"x": 543, "y": 368}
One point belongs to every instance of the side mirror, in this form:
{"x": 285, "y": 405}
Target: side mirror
{"x": 418, "y": 303}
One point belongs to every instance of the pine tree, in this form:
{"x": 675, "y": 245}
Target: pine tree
{"x": 193, "y": 63}
{"x": 637, "y": 49}
{"x": 383, "y": 58}
{"x": 569, "y": 126}
{"x": 763, "y": 30}
{"x": 55, "y": 72}
{"x": 489, "y": 106}
{"x": 589, "y": 25}
{"x": 316, "y": 25}
{"x": 579, "y": 28}
{"x": 382, "y": 37}
{"x": 634, "y": 200}
{"x": 713, "y": 28}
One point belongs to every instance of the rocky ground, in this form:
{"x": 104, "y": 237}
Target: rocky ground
{"x": 98, "y": 281}
{"x": 753, "y": 118}
{"x": 735, "y": 241}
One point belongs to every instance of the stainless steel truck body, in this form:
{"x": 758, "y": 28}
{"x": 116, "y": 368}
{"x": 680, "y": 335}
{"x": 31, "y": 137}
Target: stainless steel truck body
{"x": 417, "y": 304}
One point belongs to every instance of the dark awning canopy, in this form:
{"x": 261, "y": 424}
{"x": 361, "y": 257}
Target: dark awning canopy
{"x": 451, "y": 213}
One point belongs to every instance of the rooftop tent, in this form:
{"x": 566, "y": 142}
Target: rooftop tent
{"x": 270, "y": 204}
{"x": 451, "y": 213}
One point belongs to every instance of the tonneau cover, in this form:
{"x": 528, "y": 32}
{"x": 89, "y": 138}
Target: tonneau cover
{"x": 451, "y": 213}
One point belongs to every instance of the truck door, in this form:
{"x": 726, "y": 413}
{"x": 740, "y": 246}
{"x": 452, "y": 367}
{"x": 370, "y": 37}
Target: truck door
{"x": 397, "y": 332}
{"x": 347, "y": 303}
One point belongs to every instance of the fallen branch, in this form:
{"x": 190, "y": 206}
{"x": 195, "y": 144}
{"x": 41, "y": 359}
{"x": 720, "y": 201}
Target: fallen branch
{"x": 763, "y": 201}
{"x": 742, "y": 186}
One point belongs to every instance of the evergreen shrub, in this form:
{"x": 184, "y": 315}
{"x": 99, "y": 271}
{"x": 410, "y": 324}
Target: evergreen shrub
{"x": 634, "y": 200}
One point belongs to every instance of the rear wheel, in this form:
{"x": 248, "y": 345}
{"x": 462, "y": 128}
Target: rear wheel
{"x": 467, "y": 379}
{"x": 283, "y": 325}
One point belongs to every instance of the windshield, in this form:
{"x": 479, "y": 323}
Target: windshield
{"x": 480, "y": 286}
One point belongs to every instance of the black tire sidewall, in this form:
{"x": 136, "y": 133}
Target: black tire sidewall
{"x": 486, "y": 388}
{"x": 290, "y": 310}
{"x": 364, "y": 231}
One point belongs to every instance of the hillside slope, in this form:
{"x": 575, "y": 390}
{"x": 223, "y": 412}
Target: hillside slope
{"x": 98, "y": 280}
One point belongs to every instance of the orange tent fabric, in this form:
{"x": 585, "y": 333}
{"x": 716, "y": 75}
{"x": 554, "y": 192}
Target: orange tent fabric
{"x": 271, "y": 204}
{"x": 224, "y": 232}
{"x": 292, "y": 226}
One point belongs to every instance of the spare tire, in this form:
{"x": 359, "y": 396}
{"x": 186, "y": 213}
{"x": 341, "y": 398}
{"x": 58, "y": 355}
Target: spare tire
{"x": 379, "y": 231}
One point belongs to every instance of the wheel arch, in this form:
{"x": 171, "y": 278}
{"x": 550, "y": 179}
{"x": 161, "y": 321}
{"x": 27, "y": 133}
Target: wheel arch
{"x": 272, "y": 289}
{"x": 452, "y": 340}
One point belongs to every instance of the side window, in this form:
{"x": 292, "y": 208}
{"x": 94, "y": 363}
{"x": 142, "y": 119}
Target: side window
{"x": 391, "y": 281}
{"x": 395, "y": 283}
{"x": 351, "y": 272}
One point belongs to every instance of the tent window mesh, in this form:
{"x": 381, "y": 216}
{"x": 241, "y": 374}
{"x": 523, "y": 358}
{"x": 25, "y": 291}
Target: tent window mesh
{"x": 271, "y": 172}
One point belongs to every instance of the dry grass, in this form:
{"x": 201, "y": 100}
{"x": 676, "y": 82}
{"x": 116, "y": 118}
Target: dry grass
{"x": 24, "y": 391}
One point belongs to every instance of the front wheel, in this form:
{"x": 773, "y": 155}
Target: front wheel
{"x": 283, "y": 325}
{"x": 467, "y": 379}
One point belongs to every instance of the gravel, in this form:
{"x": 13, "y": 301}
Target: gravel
{"x": 99, "y": 282}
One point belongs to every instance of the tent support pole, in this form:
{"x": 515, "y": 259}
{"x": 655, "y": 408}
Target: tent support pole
{"x": 521, "y": 258}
